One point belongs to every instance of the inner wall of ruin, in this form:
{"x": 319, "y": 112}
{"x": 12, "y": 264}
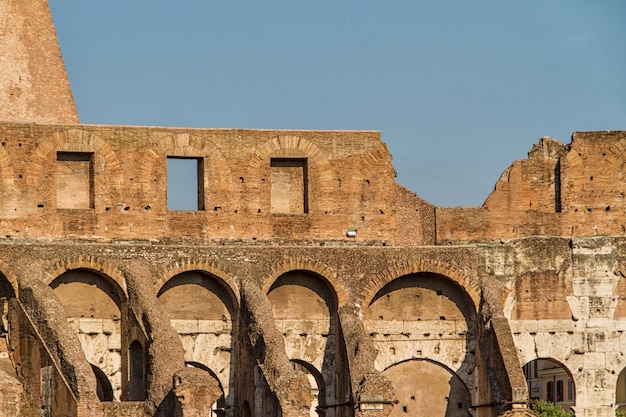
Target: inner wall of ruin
{"x": 306, "y": 282}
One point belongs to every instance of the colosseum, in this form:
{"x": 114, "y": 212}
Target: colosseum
{"x": 306, "y": 281}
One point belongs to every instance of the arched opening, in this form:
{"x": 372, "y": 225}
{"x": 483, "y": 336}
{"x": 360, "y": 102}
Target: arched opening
{"x": 426, "y": 388}
{"x": 620, "y": 391}
{"x": 6, "y": 295}
{"x": 136, "y": 372}
{"x": 421, "y": 297}
{"x": 304, "y": 306}
{"x": 318, "y": 388}
{"x": 219, "y": 407}
{"x": 246, "y": 409}
{"x": 94, "y": 306}
{"x": 550, "y": 381}
{"x": 424, "y": 327}
{"x": 202, "y": 308}
{"x": 103, "y": 385}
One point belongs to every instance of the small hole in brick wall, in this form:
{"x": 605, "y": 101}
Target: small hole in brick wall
{"x": 367, "y": 182}
{"x": 588, "y": 209}
{"x": 439, "y": 292}
{"x": 147, "y": 208}
{"x": 590, "y": 178}
{"x": 40, "y": 205}
{"x": 126, "y": 208}
{"x": 608, "y": 208}
{"x": 19, "y": 176}
{"x": 381, "y": 211}
{"x": 240, "y": 179}
{"x": 404, "y": 409}
{"x": 442, "y": 317}
{"x": 258, "y": 211}
{"x": 217, "y": 208}
{"x": 107, "y": 209}
{"x": 19, "y": 144}
{"x": 4, "y": 143}
{"x": 413, "y": 396}
{"x": 362, "y": 218}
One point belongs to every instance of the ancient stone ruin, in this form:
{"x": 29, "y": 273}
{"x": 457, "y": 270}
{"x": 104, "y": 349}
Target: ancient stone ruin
{"x": 306, "y": 282}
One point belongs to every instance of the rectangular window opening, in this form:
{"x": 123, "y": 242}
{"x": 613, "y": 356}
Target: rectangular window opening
{"x": 185, "y": 183}
{"x": 74, "y": 180}
{"x": 289, "y": 184}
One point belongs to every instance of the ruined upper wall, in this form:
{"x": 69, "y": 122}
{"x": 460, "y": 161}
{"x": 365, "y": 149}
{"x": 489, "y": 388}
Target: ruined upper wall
{"x": 108, "y": 182}
{"x": 560, "y": 190}
{"x": 33, "y": 82}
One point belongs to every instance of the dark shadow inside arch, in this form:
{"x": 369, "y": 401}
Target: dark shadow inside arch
{"x": 208, "y": 281}
{"x": 549, "y": 380}
{"x": 90, "y": 277}
{"x": 6, "y": 289}
{"x": 620, "y": 391}
{"x": 103, "y": 385}
{"x": 136, "y": 369}
{"x": 311, "y": 280}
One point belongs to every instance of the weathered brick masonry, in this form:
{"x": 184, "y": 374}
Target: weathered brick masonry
{"x": 306, "y": 282}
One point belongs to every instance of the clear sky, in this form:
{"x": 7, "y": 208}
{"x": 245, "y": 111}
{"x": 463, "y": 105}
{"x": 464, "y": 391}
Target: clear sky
{"x": 459, "y": 89}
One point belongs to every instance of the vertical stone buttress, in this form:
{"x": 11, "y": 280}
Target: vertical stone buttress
{"x": 33, "y": 83}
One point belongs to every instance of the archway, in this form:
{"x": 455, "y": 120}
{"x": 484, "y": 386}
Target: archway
{"x": 202, "y": 308}
{"x": 304, "y": 306}
{"x": 318, "y": 387}
{"x": 103, "y": 385}
{"x": 550, "y": 381}
{"x": 219, "y": 407}
{"x": 426, "y": 388}
{"x": 94, "y": 305}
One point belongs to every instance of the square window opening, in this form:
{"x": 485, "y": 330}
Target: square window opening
{"x": 289, "y": 186}
{"x": 74, "y": 180}
{"x": 185, "y": 183}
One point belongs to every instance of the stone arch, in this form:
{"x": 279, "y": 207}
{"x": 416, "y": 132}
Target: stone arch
{"x": 7, "y": 273}
{"x": 299, "y": 263}
{"x": 291, "y": 147}
{"x": 443, "y": 269}
{"x": 203, "y": 309}
{"x": 217, "y": 173}
{"x": 97, "y": 314}
{"x": 217, "y": 287}
{"x": 93, "y": 264}
{"x": 104, "y": 389}
{"x": 202, "y": 266}
{"x": 446, "y": 393}
{"x": 543, "y": 375}
{"x": 75, "y": 140}
{"x": 620, "y": 391}
{"x": 318, "y": 386}
{"x": 319, "y": 172}
{"x": 304, "y": 308}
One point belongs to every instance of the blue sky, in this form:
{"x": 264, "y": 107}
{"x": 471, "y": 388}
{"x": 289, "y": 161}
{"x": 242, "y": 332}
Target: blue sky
{"x": 459, "y": 89}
